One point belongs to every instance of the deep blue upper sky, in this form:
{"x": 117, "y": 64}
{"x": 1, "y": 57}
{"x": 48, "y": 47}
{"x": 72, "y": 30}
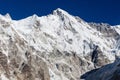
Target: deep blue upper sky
{"x": 107, "y": 11}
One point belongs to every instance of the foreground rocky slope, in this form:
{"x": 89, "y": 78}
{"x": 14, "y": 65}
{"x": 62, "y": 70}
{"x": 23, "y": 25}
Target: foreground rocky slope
{"x": 55, "y": 47}
{"x": 107, "y": 72}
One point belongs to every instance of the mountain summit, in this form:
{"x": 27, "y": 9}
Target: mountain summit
{"x": 60, "y": 12}
{"x": 58, "y": 46}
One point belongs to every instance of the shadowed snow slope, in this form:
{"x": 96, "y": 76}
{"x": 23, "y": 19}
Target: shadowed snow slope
{"x": 58, "y": 46}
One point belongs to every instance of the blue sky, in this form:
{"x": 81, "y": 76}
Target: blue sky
{"x": 107, "y": 11}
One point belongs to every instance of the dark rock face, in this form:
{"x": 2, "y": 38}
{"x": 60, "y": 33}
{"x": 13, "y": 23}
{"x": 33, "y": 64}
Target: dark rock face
{"x": 107, "y": 72}
{"x": 116, "y": 75}
{"x": 98, "y": 58}
{"x": 95, "y": 55}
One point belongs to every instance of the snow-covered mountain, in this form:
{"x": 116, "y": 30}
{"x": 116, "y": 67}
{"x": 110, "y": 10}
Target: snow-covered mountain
{"x": 58, "y": 46}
